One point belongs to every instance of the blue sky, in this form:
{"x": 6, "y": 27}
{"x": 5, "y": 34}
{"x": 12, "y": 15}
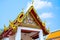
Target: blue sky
{"x": 48, "y": 10}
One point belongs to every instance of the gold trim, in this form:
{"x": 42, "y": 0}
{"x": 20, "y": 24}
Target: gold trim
{"x": 5, "y": 28}
{"x": 20, "y": 19}
{"x": 30, "y": 25}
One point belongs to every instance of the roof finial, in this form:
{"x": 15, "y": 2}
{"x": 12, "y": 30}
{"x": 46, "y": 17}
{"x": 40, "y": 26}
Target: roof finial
{"x": 48, "y": 29}
{"x": 22, "y": 9}
{"x": 5, "y": 28}
{"x": 32, "y": 2}
{"x": 44, "y": 23}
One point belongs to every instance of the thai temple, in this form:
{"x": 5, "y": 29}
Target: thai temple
{"x": 27, "y": 26}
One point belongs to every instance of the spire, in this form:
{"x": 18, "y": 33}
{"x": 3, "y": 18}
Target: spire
{"x": 32, "y": 2}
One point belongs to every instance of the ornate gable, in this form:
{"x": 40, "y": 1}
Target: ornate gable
{"x": 32, "y": 19}
{"x": 29, "y": 21}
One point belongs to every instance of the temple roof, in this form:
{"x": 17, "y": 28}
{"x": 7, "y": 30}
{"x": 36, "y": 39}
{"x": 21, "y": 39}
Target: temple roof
{"x": 54, "y": 35}
{"x": 37, "y": 19}
{"x": 19, "y": 21}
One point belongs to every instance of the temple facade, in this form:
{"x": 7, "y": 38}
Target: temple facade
{"x": 26, "y": 26}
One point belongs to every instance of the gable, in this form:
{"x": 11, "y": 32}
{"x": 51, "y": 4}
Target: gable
{"x": 29, "y": 21}
{"x": 37, "y": 20}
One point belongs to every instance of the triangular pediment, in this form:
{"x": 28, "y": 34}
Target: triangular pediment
{"x": 29, "y": 19}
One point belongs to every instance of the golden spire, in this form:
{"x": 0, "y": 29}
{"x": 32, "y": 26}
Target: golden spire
{"x": 5, "y": 28}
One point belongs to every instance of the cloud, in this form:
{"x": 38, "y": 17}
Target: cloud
{"x": 38, "y": 4}
{"x": 46, "y": 15}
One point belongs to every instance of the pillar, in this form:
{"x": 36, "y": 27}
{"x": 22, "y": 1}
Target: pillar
{"x": 18, "y": 34}
{"x": 41, "y": 35}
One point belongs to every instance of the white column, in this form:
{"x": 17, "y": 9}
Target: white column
{"x": 7, "y": 38}
{"x": 41, "y": 35}
{"x": 18, "y": 34}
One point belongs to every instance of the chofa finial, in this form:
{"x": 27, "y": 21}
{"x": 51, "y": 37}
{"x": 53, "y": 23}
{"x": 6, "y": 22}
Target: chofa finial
{"x": 22, "y": 9}
{"x": 32, "y": 2}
